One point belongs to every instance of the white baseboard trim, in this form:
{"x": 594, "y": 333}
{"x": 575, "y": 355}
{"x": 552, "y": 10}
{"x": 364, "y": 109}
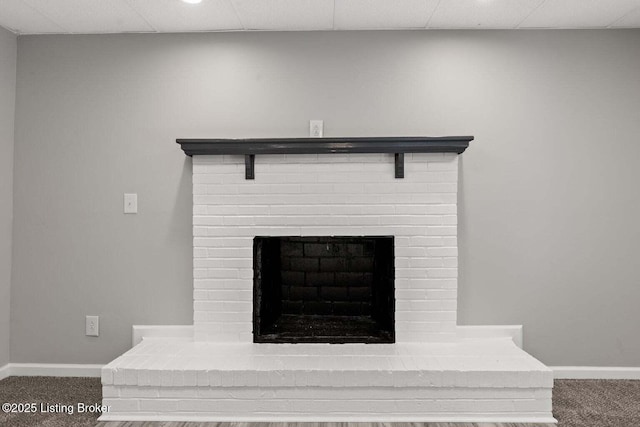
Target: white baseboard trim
{"x": 491, "y": 331}
{"x": 5, "y": 372}
{"x": 53, "y": 370}
{"x": 160, "y": 331}
{"x": 595, "y": 373}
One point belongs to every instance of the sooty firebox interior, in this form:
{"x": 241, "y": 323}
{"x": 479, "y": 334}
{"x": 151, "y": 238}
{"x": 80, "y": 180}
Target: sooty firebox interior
{"x": 323, "y": 289}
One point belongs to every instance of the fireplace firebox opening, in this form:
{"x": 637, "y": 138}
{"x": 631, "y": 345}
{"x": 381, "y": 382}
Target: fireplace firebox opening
{"x": 323, "y": 289}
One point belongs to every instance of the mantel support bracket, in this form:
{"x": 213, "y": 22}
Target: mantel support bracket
{"x": 399, "y": 165}
{"x": 249, "y": 166}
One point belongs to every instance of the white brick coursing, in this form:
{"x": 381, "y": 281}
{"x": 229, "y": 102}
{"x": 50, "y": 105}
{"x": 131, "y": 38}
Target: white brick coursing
{"x": 396, "y": 405}
{"x": 320, "y": 195}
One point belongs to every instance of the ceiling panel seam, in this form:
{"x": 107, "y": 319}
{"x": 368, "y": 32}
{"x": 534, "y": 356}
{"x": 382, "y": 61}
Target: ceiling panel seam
{"x": 235, "y": 10}
{"x": 333, "y": 21}
{"x": 144, "y": 18}
{"x": 529, "y": 14}
{"x": 45, "y": 16}
{"x": 433, "y": 12}
{"x": 624, "y": 15}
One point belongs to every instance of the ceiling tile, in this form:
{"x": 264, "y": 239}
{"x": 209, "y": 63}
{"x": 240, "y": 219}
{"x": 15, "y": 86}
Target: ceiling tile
{"x": 21, "y": 18}
{"x": 630, "y": 20}
{"x": 91, "y": 16}
{"x": 177, "y": 16}
{"x": 285, "y": 14}
{"x": 376, "y": 14}
{"x": 481, "y": 13}
{"x": 579, "y": 13}
{"x": 114, "y": 16}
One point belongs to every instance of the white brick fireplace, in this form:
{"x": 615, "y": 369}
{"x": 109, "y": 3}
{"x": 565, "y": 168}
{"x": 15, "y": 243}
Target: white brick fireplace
{"x": 426, "y": 375}
{"x": 322, "y": 195}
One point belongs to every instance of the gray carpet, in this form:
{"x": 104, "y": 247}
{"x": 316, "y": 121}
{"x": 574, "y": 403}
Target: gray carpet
{"x": 576, "y": 403}
{"x": 597, "y": 403}
{"x": 51, "y": 391}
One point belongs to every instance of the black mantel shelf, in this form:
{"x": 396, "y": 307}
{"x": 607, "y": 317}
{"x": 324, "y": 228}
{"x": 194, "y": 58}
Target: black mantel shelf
{"x": 387, "y": 144}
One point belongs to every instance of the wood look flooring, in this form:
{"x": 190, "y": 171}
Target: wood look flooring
{"x": 192, "y": 424}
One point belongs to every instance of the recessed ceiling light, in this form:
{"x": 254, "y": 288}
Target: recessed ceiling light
{"x": 192, "y": 1}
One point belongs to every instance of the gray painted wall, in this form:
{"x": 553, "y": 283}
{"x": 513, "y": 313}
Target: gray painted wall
{"x": 549, "y": 236}
{"x": 8, "y": 55}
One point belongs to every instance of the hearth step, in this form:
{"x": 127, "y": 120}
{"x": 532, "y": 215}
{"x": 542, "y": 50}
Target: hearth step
{"x": 183, "y": 380}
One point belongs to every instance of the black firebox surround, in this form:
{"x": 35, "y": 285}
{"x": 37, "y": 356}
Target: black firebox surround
{"x": 324, "y": 289}
{"x": 399, "y": 145}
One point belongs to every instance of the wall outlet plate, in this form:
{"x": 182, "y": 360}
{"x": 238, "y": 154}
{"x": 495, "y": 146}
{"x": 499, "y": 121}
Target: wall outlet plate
{"x": 316, "y": 128}
{"x": 92, "y": 326}
{"x": 131, "y": 203}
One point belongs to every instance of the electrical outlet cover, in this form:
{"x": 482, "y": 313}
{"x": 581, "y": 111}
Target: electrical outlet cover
{"x": 316, "y": 128}
{"x": 92, "y": 326}
{"x": 131, "y": 203}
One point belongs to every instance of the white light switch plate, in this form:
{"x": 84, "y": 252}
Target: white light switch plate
{"x": 130, "y": 203}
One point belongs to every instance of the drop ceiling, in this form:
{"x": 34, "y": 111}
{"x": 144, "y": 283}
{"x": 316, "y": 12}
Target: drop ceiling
{"x": 122, "y": 16}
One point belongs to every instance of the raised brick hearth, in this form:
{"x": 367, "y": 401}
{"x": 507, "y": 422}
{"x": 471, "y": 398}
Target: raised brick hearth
{"x": 424, "y": 373}
{"x": 461, "y": 381}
